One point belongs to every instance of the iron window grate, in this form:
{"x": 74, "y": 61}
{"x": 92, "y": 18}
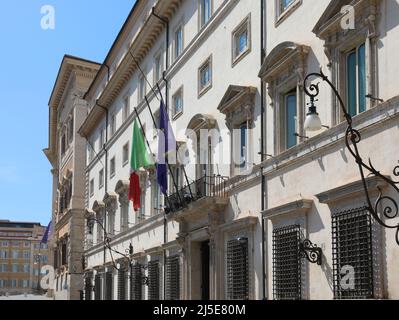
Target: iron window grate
{"x": 122, "y": 284}
{"x": 287, "y": 266}
{"x": 97, "y": 287}
{"x": 172, "y": 278}
{"x": 352, "y": 247}
{"x": 237, "y": 269}
{"x": 88, "y": 286}
{"x": 153, "y": 280}
{"x": 108, "y": 285}
{"x": 136, "y": 282}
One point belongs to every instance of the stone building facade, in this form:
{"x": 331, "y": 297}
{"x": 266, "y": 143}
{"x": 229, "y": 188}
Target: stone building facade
{"x": 232, "y": 73}
{"x": 66, "y": 153}
{"x": 21, "y": 257}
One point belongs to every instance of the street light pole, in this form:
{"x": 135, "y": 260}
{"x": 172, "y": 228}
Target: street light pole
{"x": 353, "y": 137}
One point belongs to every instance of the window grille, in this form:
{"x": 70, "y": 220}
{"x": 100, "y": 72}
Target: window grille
{"x": 352, "y": 247}
{"x": 172, "y": 278}
{"x": 108, "y": 285}
{"x": 136, "y": 282}
{"x": 88, "y": 286}
{"x": 97, "y": 287}
{"x": 287, "y": 263}
{"x": 237, "y": 269}
{"x": 153, "y": 280}
{"x": 122, "y": 284}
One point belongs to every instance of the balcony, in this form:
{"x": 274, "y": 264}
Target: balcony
{"x": 207, "y": 193}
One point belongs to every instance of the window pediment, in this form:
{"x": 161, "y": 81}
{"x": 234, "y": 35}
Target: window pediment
{"x": 330, "y": 21}
{"x": 122, "y": 187}
{"x": 202, "y": 121}
{"x": 282, "y": 57}
{"x": 98, "y": 206}
{"x": 236, "y": 97}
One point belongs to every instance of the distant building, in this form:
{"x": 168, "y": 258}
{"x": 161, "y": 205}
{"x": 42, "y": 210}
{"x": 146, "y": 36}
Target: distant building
{"x": 66, "y": 153}
{"x": 21, "y": 256}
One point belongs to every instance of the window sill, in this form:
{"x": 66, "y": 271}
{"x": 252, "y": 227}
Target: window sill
{"x": 240, "y": 57}
{"x": 204, "y": 90}
{"x": 177, "y": 115}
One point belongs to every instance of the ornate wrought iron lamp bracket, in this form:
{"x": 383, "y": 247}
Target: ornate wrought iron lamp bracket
{"x": 385, "y": 208}
{"x": 311, "y": 252}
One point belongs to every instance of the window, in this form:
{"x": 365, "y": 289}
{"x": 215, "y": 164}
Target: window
{"x": 243, "y": 145}
{"x": 241, "y": 40}
{"x": 122, "y": 277}
{"x": 97, "y": 287}
{"x": 172, "y": 278}
{"x": 112, "y": 168}
{"x": 100, "y": 231}
{"x": 25, "y": 284}
{"x": 124, "y": 216}
{"x": 286, "y": 263}
{"x": 70, "y": 130}
{"x": 91, "y": 187}
{"x": 178, "y": 41}
{"x": 141, "y": 213}
{"x": 285, "y": 4}
{"x": 205, "y": 76}
{"x": 177, "y": 103}
{"x": 3, "y": 268}
{"x": 90, "y": 151}
{"x": 158, "y": 67}
{"x": 153, "y": 280}
{"x": 26, "y": 255}
{"x": 136, "y": 281}
{"x": 352, "y": 249}
{"x": 356, "y": 80}
{"x": 111, "y": 223}
{"x": 14, "y": 283}
{"x": 126, "y": 108}
{"x": 3, "y": 254}
{"x": 205, "y": 11}
{"x": 237, "y": 269}
{"x": 156, "y": 197}
{"x": 63, "y": 145}
{"x": 15, "y": 268}
{"x": 15, "y": 254}
{"x": 3, "y": 283}
{"x": 27, "y": 244}
{"x": 101, "y": 140}
{"x": 142, "y": 89}
{"x": 26, "y": 268}
{"x": 101, "y": 179}
{"x": 4, "y": 243}
{"x": 113, "y": 124}
{"x": 125, "y": 154}
{"x": 290, "y": 118}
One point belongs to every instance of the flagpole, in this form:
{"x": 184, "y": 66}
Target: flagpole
{"x": 184, "y": 168}
{"x": 148, "y": 144}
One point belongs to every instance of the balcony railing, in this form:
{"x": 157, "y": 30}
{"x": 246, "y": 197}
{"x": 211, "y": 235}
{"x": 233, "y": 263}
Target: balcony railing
{"x": 207, "y": 187}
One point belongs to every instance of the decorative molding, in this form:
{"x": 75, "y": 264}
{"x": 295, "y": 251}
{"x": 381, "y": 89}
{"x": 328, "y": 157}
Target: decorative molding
{"x": 240, "y": 223}
{"x": 351, "y": 190}
{"x": 299, "y": 206}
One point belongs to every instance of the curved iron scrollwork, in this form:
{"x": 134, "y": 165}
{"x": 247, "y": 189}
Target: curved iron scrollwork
{"x": 385, "y": 208}
{"x": 311, "y": 252}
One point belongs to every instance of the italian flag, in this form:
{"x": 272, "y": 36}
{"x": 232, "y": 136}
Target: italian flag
{"x": 140, "y": 158}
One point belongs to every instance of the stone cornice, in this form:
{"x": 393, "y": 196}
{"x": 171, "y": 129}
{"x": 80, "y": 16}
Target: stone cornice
{"x": 140, "y": 46}
{"x": 298, "y": 206}
{"x": 351, "y": 190}
{"x": 244, "y": 222}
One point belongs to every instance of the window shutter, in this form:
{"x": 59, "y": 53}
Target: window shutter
{"x": 108, "y": 285}
{"x": 172, "y": 278}
{"x": 153, "y": 280}
{"x": 97, "y": 287}
{"x": 122, "y": 284}
{"x": 136, "y": 282}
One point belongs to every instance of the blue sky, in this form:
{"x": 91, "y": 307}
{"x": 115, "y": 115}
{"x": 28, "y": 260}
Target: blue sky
{"x": 29, "y": 62}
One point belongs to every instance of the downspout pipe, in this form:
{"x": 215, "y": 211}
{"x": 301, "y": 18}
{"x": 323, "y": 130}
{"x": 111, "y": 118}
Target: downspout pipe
{"x": 165, "y": 221}
{"x": 262, "y": 151}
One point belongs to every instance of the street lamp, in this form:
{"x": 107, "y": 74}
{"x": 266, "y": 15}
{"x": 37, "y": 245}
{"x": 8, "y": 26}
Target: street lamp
{"x": 389, "y": 207}
{"x": 38, "y": 260}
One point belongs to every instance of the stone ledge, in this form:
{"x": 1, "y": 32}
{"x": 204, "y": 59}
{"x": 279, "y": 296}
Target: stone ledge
{"x": 299, "y": 206}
